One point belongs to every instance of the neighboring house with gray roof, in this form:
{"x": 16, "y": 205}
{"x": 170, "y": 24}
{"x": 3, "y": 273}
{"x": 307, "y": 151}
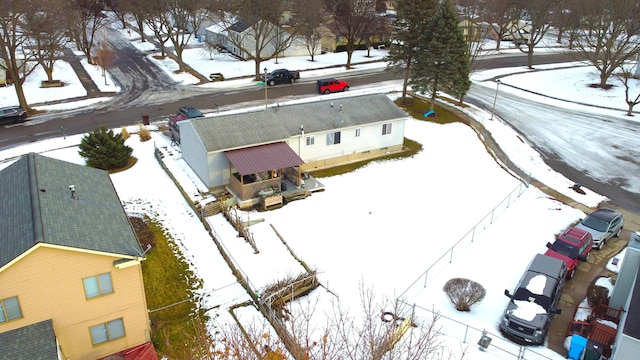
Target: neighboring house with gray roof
{"x": 246, "y": 148}
{"x": 69, "y": 255}
{"x": 626, "y": 294}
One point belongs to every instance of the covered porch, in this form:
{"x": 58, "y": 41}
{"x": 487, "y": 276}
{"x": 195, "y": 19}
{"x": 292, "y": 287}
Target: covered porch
{"x": 271, "y": 170}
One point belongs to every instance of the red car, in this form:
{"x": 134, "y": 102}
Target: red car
{"x": 572, "y": 246}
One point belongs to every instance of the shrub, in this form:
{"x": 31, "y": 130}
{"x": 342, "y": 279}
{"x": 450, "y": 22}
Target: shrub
{"x": 125, "y": 133}
{"x": 597, "y": 294}
{"x": 145, "y": 134}
{"x": 103, "y": 149}
{"x": 463, "y": 293}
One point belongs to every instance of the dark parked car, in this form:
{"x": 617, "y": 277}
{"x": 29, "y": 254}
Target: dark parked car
{"x": 190, "y": 112}
{"x": 603, "y": 224}
{"x": 533, "y": 304}
{"x": 12, "y": 115}
{"x": 572, "y": 246}
{"x": 281, "y": 76}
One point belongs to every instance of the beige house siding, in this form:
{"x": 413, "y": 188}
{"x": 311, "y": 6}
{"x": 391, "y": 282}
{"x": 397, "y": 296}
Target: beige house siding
{"x": 48, "y": 283}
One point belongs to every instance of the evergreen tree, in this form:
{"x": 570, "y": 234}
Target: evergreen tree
{"x": 412, "y": 18}
{"x": 103, "y": 149}
{"x": 442, "y": 63}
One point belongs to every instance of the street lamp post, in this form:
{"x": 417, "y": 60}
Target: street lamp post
{"x": 495, "y": 99}
{"x": 265, "y": 88}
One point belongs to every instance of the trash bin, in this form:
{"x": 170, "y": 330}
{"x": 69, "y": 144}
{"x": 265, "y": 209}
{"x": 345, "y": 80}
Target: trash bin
{"x": 578, "y": 344}
{"x": 593, "y": 351}
{"x": 145, "y": 119}
{"x": 283, "y": 186}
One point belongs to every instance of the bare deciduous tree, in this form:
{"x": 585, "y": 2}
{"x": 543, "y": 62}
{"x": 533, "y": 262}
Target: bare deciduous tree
{"x": 539, "y": 14}
{"x": 611, "y": 36}
{"x": 257, "y": 29}
{"x": 45, "y": 23}
{"x": 307, "y": 18}
{"x": 625, "y": 77}
{"x": 104, "y": 58}
{"x": 353, "y": 21}
{"x": 17, "y": 62}
{"x": 184, "y": 19}
{"x": 497, "y": 15}
{"x": 88, "y": 17}
{"x": 157, "y": 19}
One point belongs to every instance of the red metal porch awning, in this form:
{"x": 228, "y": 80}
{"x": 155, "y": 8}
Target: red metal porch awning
{"x": 262, "y": 158}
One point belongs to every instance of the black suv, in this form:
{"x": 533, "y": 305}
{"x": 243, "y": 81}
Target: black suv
{"x": 534, "y": 302}
{"x": 12, "y": 115}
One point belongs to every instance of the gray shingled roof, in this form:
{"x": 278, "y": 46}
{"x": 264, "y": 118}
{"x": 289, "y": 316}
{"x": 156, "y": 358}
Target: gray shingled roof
{"x": 632, "y": 322}
{"x": 279, "y": 123}
{"x": 36, "y": 206}
{"x": 32, "y": 342}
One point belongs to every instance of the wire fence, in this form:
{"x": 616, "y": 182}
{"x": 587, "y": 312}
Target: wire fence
{"x": 487, "y": 341}
{"x": 468, "y": 238}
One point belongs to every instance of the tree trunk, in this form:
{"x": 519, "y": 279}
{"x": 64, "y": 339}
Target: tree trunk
{"x": 405, "y": 81}
{"x": 258, "y": 61}
{"x": 530, "y": 56}
{"x": 498, "y": 40}
{"x": 22, "y": 100}
{"x": 349, "y": 55}
{"x": 603, "y": 79}
{"x": 630, "y": 110}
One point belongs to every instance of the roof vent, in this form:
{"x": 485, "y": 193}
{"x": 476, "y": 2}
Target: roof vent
{"x": 72, "y": 188}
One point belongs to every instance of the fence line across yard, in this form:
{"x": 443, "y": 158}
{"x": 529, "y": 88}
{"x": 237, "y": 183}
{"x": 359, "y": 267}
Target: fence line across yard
{"x": 496, "y": 344}
{"x": 472, "y": 234}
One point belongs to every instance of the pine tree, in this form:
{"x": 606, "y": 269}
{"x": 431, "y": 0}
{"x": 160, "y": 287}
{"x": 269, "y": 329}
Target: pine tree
{"x": 412, "y": 17}
{"x": 442, "y": 63}
{"x": 103, "y": 149}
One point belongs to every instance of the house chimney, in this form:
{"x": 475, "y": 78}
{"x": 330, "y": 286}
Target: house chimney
{"x": 72, "y": 188}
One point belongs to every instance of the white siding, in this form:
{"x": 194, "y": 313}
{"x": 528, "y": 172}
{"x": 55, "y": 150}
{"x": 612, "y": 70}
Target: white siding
{"x": 193, "y": 151}
{"x": 219, "y": 169}
{"x": 370, "y": 138}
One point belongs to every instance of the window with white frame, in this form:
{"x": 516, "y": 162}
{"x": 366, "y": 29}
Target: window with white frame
{"x": 108, "y": 331}
{"x": 98, "y": 285}
{"x": 311, "y": 140}
{"x": 386, "y": 129}
{"x": 357, "y": 132}
{"x": 333, "y": 138}
{"x": 10, "y": 309}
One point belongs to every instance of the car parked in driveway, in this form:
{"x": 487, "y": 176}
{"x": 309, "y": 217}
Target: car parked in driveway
{"x": 603, "y": 224}
{"x": 572, "y": 246}
{"x": 533, "y": 304}
{"x": 12, "y": 115}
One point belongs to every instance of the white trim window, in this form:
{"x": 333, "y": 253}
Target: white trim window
{"x": 333, "y": 138}
{"x": 311, "y": 140}
{"x": 108, "y": 331}
{"x": 98, "y": 285}
{"x": 386, "y": 129}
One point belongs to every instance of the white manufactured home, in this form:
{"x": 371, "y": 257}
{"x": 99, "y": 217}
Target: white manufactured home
{"x": 246, "y": 150}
